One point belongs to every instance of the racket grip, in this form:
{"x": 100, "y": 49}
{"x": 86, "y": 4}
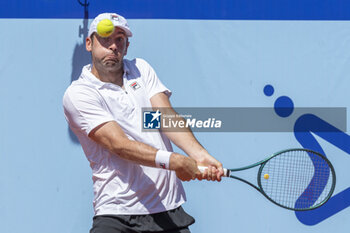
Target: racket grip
{"x": 226, "y": 171}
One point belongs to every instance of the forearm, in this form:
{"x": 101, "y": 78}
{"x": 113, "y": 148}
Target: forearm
{"x": 183, "y": 137}
{"x": 144, "y": 154}
{"x": 187, "y": 142}
{"x": 134, "y": 151}
{"x": 110, "y": 136}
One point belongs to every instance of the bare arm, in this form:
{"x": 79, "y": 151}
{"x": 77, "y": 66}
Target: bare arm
{"x": 113, "y": 138}
{"x": 187, "y": 141}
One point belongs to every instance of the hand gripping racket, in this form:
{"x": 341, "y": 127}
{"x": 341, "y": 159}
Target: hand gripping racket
{"x": 295, "y": 179}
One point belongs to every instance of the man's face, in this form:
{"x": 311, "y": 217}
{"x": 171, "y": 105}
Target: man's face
{"x": 107, "y": 53}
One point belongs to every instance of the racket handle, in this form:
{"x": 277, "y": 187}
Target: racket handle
{"x": 226, "y": 171}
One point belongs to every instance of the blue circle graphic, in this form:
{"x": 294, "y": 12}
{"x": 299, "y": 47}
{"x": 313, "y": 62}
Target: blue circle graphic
{"x": 284, "y": 106}
{"x": 269, "y": 90}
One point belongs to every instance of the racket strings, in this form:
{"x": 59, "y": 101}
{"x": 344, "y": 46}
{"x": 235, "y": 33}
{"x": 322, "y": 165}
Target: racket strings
{"x": 297, "y": 179}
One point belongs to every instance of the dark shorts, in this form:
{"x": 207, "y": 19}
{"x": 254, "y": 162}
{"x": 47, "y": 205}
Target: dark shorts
{"x": 172, "y": 221}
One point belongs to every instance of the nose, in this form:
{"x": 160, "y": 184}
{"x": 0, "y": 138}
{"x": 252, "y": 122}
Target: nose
{"x": 113, "y": 46}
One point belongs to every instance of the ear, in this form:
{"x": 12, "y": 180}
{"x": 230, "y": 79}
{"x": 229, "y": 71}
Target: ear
{"x": 88, "y": 44}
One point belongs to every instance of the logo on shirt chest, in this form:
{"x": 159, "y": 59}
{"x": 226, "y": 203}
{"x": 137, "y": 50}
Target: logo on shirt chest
{"x": 135, "y": 85}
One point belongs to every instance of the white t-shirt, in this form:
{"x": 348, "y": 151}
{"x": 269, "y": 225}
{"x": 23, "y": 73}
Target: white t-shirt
{"x": 121, "y": 186}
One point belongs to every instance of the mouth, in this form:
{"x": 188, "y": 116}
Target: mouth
{"x": 111, "y": 58}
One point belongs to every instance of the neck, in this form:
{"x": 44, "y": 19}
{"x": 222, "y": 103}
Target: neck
{"x": 109, "y": 76}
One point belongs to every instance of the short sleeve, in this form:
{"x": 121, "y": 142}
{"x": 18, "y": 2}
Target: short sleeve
{"x": 153, "y": 84}
{"x": 84, "y": 110}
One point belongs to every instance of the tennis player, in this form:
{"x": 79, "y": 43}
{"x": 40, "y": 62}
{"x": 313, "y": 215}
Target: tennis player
{"x": 136, "y": 176}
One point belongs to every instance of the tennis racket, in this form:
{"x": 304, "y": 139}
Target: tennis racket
{"x": 295, "y": 179}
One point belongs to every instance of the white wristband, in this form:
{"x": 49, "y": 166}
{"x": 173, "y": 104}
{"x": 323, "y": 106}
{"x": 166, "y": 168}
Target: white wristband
{"x": 162, "y": 159}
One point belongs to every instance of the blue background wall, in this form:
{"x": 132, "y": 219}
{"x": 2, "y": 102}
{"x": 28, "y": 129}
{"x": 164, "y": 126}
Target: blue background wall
{"x": 210, "y": 54}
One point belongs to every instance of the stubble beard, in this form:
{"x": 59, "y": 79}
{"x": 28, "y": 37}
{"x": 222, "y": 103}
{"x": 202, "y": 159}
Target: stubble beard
{"x": 109, "y": 66}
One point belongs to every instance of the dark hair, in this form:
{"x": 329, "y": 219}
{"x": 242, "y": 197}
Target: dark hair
{"x": 92, "y": 37}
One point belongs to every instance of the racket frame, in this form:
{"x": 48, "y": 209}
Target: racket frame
{"x": 262, "y": 164}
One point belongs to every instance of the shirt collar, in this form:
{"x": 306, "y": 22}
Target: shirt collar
{"x": 125, "y": 67}
{"x": 87, "y": 75}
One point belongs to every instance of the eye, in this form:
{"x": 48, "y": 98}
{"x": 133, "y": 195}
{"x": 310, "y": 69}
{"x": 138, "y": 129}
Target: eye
{"x": 119, "y": 39}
